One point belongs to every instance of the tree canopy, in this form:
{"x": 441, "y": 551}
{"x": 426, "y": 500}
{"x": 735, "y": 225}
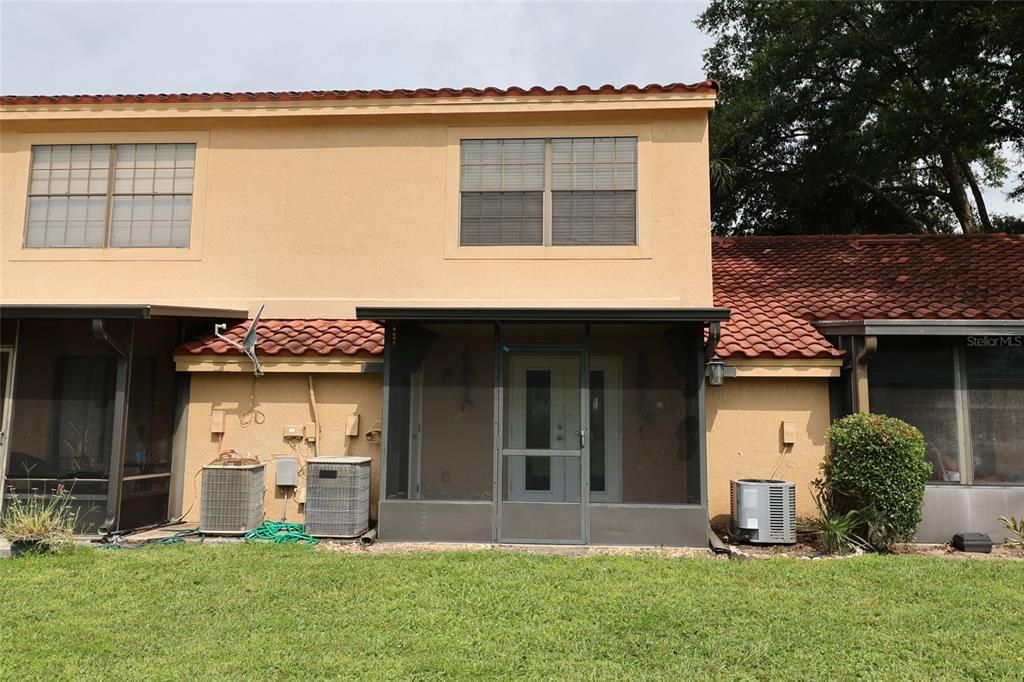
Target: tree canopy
{"x": 841, "y": 117}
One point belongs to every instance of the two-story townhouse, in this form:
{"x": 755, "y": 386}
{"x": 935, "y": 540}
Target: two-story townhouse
{"x": 538, "y": 262}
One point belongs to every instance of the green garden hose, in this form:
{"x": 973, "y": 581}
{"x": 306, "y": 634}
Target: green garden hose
{"x": 280, "y": 532}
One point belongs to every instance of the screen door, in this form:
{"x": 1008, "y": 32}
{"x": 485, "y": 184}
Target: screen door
{"x": 543, "y": 447}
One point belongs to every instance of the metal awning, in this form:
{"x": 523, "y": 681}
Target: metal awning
{"x": 921, "y": 327}
{"x": 128, "y": 311}
{"x": 414, "y": 314}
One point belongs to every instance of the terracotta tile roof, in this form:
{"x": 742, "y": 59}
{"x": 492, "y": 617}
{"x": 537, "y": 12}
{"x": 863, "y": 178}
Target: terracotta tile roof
{"x": 297, "y": 337}
{"x": 708, "y": 86}
{"x": 776, "y": 286}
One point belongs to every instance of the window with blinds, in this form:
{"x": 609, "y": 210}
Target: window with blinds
{"x": 101, "y": 195}
{"x": 593, "y": 190}
{"x": 502, "y": 183}
{"x": 561, "y": 191}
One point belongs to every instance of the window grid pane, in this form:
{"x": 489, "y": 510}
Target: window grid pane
{"x": 502, "y": 218}
{"x": 598, "y": 218}
{"x": 502, "y": 165}
{"x": 593, "y": 163}
{"x": 66, "y": 221}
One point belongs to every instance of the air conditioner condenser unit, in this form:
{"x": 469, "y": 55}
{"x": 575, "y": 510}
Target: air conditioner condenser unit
{"x": 232, "y": 499}
{"x": 763, "y": 510}
{"x": 337, "y": 496}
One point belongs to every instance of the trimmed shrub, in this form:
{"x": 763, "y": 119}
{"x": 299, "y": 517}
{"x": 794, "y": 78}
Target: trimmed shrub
{"x": 876, "y": 466}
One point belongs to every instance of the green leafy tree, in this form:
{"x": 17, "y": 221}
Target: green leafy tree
{"x": 841, "y": 117}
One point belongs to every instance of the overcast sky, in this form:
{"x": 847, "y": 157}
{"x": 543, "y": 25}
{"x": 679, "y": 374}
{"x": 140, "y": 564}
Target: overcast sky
{"x": 92, "y": 47}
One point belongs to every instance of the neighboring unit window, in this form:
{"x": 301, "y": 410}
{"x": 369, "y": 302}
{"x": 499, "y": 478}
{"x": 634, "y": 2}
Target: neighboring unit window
{"x": 125, "y": 195}
{"x": 509, "y": 197}
{"x": 995, "y": 379}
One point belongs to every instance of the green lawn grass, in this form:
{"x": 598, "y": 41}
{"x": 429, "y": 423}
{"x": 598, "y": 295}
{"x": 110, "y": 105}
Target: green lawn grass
{"x": 267, "y": 612}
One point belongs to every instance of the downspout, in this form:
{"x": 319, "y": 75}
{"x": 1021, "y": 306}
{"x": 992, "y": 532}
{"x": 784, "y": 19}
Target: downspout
{"x": 714, "y": 336}
{"x": 868, "y": 346}
{"x": 120, "y": 427}
{"x": 316, "y": 417}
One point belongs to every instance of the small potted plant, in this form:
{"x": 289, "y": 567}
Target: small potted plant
{"x": 39, "y": 523}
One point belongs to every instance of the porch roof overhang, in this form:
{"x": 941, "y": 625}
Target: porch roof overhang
{"x": 414, "y": 314}
{"x": 921, "y": 327}
{"x": 128, "y": 311}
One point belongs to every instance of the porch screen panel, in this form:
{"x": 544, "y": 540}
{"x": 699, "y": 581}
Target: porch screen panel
{"x": 441, "y": 412}
{"x": 593, "y": 183}
{"x": 502, "y": 192}
{"x": 63, "y": 412}
{"x": 640, "y": 411}
{"x": 995, "y": 381}
{"x": 150, "y": 429}
{"x": 913, "y": 379}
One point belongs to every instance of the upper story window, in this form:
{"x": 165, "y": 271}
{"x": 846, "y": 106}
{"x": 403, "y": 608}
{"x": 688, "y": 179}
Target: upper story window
{"x": 102, "y": 195}
{"x": 558, "y": 191}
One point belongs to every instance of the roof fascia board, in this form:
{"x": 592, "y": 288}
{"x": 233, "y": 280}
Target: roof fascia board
{"x": 544, "y": 314}
{"x": 117, "y": 311}
{"x": 920, "y": 327}
{"x": 787, "y": 372}
{"x": 422, "y": 106}
{"x": 274, "y": 365}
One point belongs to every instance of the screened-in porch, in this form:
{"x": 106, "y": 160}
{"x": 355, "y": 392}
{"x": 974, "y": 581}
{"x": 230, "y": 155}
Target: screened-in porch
{"x": 966, "y": 394}
{"x": 544, "y": 431}
{"x": 92, "y": 405}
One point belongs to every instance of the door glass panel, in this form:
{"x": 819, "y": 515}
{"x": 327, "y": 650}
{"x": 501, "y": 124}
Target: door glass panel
{"x": 597, "y": 432}
{"x": 538, "y": 474}
{"x": 538, "y": 409}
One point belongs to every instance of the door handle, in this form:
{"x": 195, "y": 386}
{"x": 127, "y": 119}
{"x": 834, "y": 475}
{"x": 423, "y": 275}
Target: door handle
{"x": 583, "y": 439}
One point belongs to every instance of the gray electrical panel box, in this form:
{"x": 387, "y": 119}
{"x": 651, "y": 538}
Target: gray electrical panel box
{"x": 287, "y": 472}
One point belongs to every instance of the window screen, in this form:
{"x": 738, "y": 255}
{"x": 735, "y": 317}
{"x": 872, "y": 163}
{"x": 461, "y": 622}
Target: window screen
{"x": 502, "y": 184}
{"x": 593, "y": 182}
{"x": 74, "y": 202}
{"x": 913, "y": 379}
{"x": 995, "y": 380}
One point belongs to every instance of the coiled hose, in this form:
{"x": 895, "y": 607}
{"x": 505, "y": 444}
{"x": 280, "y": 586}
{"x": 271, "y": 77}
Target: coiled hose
{"x": 280, "y": 532}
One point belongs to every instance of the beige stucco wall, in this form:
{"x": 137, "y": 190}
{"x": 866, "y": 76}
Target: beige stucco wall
{"x": 744, "y": 424}
{"x": 316, "y": 212}
{"x": 284, "y": 400}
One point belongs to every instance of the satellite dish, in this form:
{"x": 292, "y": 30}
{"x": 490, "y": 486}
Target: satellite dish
{"x": 248, "y": 345}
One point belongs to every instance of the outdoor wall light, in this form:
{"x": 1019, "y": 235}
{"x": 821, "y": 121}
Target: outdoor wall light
{"x": 715, "y": 371}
